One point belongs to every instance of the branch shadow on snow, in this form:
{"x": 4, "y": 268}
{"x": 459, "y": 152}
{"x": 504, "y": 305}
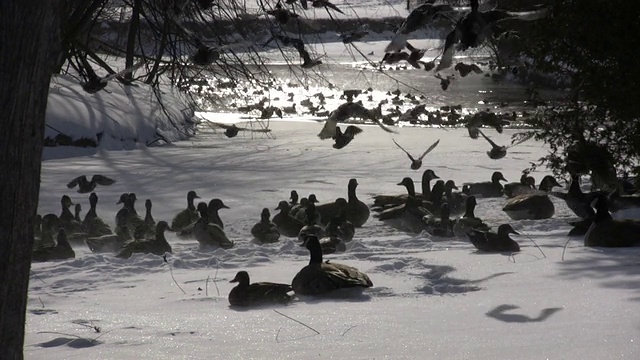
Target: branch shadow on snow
{"x": 501, "y": 313}
{"x": 608, "y": 267}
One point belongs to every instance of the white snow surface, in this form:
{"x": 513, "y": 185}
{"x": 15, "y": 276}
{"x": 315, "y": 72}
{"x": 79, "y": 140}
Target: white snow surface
{"x": 432, "y": 298}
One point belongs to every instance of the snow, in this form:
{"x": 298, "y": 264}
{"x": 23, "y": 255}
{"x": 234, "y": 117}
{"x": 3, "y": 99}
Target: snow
{"x": 432, "y": 298}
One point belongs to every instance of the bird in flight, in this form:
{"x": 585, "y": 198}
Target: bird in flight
{"x": 417, "y": 163}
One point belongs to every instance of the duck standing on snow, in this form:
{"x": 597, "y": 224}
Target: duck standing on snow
{"x": 320, "y": 278}
{"x": 384, "y": 201}
{"x": 85, "y": 186}
{"x": 417, "y": 163}
{"x": 488, "y": 241}
{"x": 407, "y": 216}
{"x": 112, "y": 242}
{"x": 357, "y": 212}
{"x": 214, "y": 206}
{"x": 491, "y": 188}
{"x": 535, "y": 205}
{"x": 208, "y": 233}
{"x": 247, "y": 294}
{"x": 265, "y": 231}
{"x": 608, "y": 232}
{"x": 187, "y": 216}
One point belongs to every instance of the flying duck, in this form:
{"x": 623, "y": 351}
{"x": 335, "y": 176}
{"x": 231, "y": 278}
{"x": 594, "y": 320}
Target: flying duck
{"x": 343, "y": 139}
{"x": 417, "y": 163}
{"x": 419, "y": 17}
{"x": 85, "y": 186}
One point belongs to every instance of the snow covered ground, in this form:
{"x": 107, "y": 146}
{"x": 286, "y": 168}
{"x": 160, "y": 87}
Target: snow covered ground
{"x": 432, "y": 298}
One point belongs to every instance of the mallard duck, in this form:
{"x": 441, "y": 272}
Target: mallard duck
{"x": 312, "y": 226}
{"x": 293, "y": 198}
{"x": 187, "y": 216}
{"x": 576, "y": 200}
{"x": 214, "y": 206}
{"x": 148, "y": 218}
{"x": 418, "y": 18}
{"x": 491, "y": 188}
{"x": 76, "y": 213}
{"x": 94, "y": 225}
{"x": 357, "y": 212}
{"x": 343, "y": 139}
{"x": 407, "y": 216}
{"x": 287, "y": 225}
{"x": 417, "y": 163}
{"x": 67, "y": 220}
{"x": 338, "y": 224}
{"x": 469, "y": 221}
{"x": 608, "y": 232}
{"x": 133, "y": 220}
{"x": 383, "y": 201}
{"x": 66, "y": 215}
{"x": 533, "y": 206}
{"x": 265, "y": 231}
{"x": 208, "y": 233}
{"x": 112, "y": 242}
{"x": 85, "y": 186}
{"x": 158, "y": 245}
{"x": 489, "y": 241}
{"x": 319, "y": 278}
{"x": 246, "y": 294}
{"x": 442, "y": 225}
{"x": 61, "y": 251}
{"x": 455, "y": 199}
{"x": 524, "y": 186}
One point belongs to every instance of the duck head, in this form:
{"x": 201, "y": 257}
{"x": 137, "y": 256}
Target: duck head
{"x": 407, "y": 182}
{"x": 93, "y": 200}
{"x": 242, "y": 277}
{"x": 294, "y": 197}
{"x": 353, "y": 184}
{"x": 450, "y": 185}
{"x": 506, "y": 229}
{"x": 548, "y": 183}
{"x": 531, "y": 182}
{"x": 217, "y": 204}
{"x": 429, "y": 175}
{"x": 148, "y": 204}
{"x": 312, "y": 243}
{"x": 191, "y": 195}
{"x": 312, "y": 198}
{"x": 496, "y": 177}
{"x": 203, "y": 209}
{"x": 66, "y": 201}
{"x": 163, "y": 226}
{"x": 283, "y": 206}
{"x": 124, "y": 198}
{"x": 265, "y": 215}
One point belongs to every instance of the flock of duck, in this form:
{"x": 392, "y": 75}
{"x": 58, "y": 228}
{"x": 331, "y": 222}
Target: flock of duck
{"x": 442, "y": 210}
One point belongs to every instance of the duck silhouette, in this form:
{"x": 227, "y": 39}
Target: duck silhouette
{"x": 85, "y": 185}
{"x": 417, "y": 163}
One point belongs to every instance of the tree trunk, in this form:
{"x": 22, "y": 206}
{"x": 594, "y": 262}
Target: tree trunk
{"x": 131, "y": 38}
{"x": 29, "y": 42}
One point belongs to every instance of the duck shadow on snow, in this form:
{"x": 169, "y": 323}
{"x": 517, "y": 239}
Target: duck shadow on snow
{"x": 72, "y": 342}
{"x": 615, "y": 268}
{"x": 501, "y": 313}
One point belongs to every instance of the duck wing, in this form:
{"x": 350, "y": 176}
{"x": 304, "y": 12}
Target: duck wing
{"x": 433, "y": 146}
{"x": 493, "y": 144}
{"x": 102, "y": 180}
{"x": 352, "y": 131}
{"x": 329, "y": 129}
{"x": 405, "y": 151}
{"x": 75, "y": 181}
{"x": 520, "y": 138}
{"x": 446, "y": 59}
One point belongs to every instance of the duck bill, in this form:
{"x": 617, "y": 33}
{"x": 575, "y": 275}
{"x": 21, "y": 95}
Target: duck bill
{"x": 515, "y": 232}
{"x": 234, "y": 280}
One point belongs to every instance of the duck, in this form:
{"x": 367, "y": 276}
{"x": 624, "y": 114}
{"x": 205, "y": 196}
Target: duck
{"x": 383, "y": 201}
{"x": 85, "y": 186}
{"x": 343, "y": 139}
{"x": 112, "y": 242}
{"x": 293, "y": 197}
{"x": 416, "y": 163}
{"x": 580, "y": 227}
{"x": 407, "y": 216}
{"x": 287, "y": 225}
{"x": 533, "y": 206}
{"x": 575, "y": 198}
{"x": 246, "y": 294}
{"x": 356, "y": 212}
{"x": 469, "y": 221}
{"x": 440, "y": 226}
{"x": 322, "y": 278}
{"x": 48, "y": 229}
{"x": 488, "y": 189}
{"x": 346, "y": 111}
{"x": 66, "y": 215}
{"x": 92, "y": 223}
{"x": 524, "y": 186}
{"x": 456, "y": 200}
{"x": 419, "y": 17}
{"x": 67, "y": 220}
{"x": 208, "y": 233}
{"x": 488, "y": 241}
{"x": 60, "y": 251}
{"x": 133, "y": 220}
{"x": 312, "y": 226}
{"x": 265, "y": 231}
{"x": 606, "y": 231}
{"x": 158, "y": 245}
{"x": 214, "y": 206}
{"x": 76, "y": 212}
{"x": 624, "y": 206}
{"x": 186, "y": 216}
{"x": 435, "y": 200}
{"x": 338, "y": 224}
{"x": 300, "y": 212}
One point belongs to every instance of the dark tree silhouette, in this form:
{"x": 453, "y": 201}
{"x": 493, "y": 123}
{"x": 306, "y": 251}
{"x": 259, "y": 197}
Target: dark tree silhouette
{"x": 29, "y": 44}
